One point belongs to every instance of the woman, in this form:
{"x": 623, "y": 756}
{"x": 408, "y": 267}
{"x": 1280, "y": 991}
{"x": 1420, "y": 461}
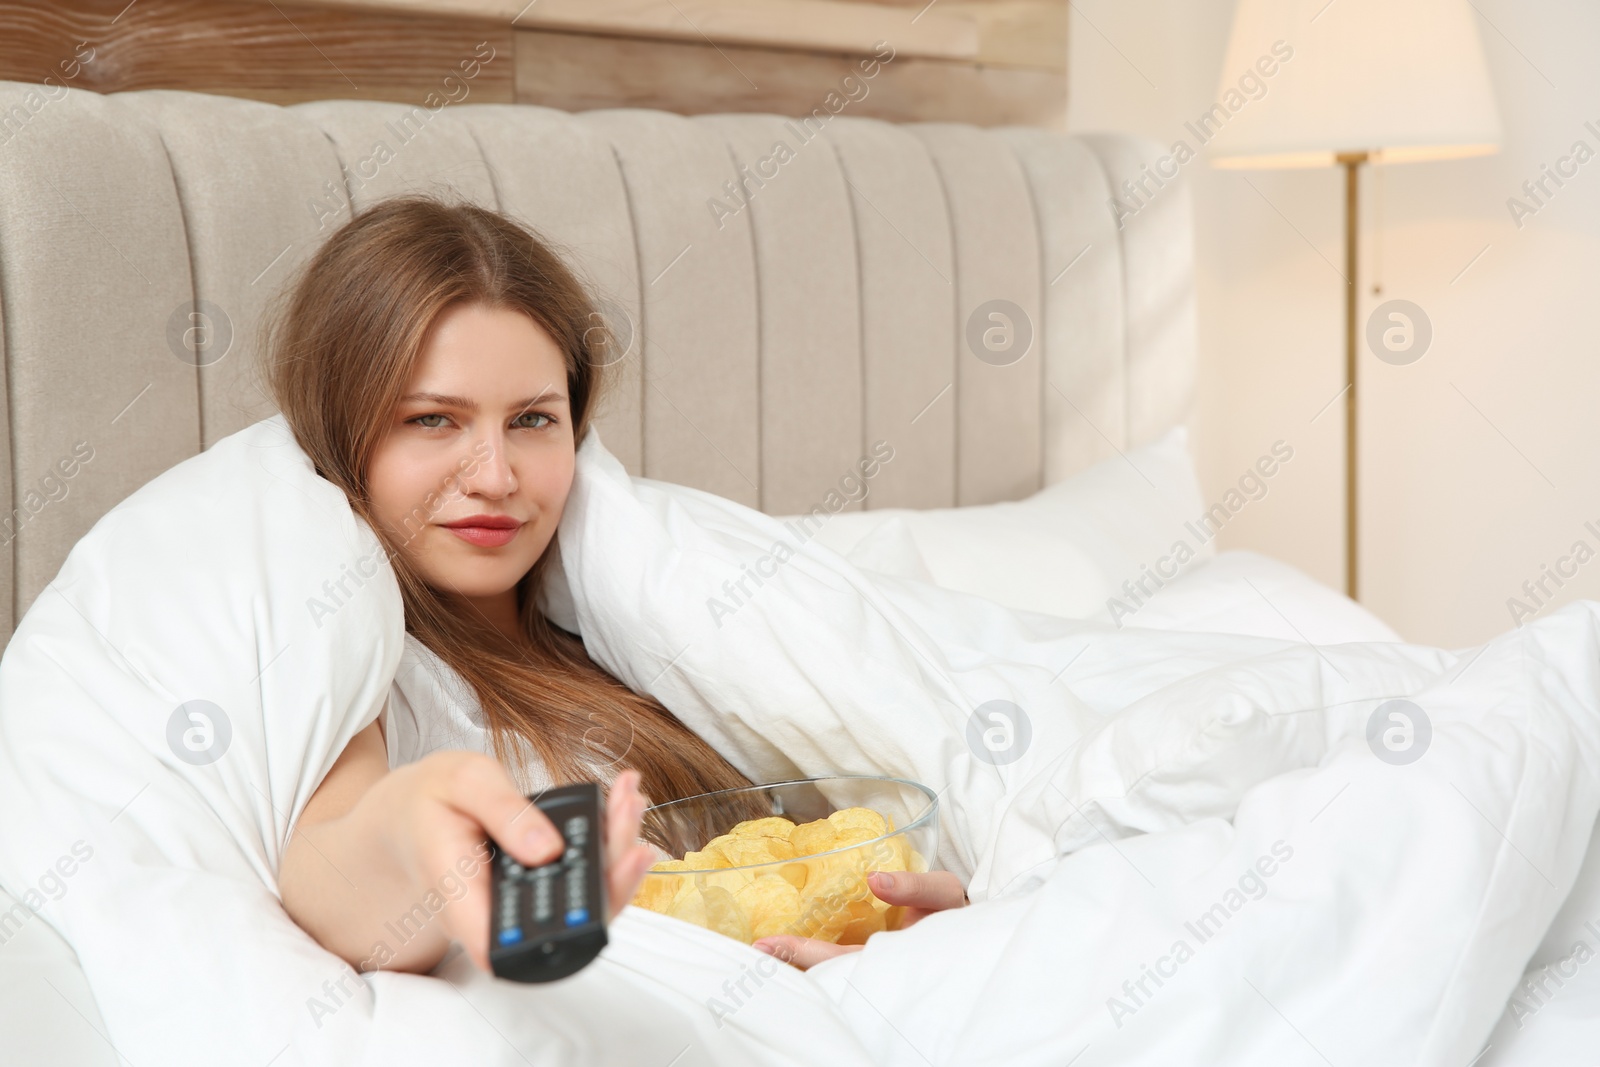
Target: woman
{"x": 440, "y": 365}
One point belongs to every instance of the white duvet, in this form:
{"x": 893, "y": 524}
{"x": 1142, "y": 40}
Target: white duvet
{"x": 1196, "y": 855}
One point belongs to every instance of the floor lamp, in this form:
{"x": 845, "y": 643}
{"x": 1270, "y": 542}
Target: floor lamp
{"x": 1309, "y": 83}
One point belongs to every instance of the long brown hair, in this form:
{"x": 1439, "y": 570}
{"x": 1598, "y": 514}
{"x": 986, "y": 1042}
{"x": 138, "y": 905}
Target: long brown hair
{"x": 340, "y": 346}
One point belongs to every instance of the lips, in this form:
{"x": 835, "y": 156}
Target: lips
{"x": 485, "y": 531}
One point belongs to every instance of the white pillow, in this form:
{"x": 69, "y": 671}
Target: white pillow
{"x": 1064, "y": 551}
{"x": 1243, "y": 592}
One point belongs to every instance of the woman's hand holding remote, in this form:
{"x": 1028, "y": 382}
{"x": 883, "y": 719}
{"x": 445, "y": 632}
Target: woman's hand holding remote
{"x": 437, "y": 811}
{"x": 374, "y": 846}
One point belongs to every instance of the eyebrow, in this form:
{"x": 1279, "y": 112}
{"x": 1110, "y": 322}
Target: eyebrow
{"x": 466, "y": 404}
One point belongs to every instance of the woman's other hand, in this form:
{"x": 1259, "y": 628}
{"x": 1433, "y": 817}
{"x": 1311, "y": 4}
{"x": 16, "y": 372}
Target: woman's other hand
{"x": 920, "y": 894}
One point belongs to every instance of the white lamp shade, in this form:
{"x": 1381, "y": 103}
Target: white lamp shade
{"x": 1401, "y": 80}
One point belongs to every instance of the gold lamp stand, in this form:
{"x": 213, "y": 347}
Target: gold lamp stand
{"x": 1351, "y": 162}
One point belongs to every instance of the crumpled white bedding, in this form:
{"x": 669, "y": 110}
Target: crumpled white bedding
{"x": 1205, "y": 790}
{"x": 1403, "y": 900}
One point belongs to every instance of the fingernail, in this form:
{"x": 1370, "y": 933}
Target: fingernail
{"x": 762, "y": 946}
{"x": 542, "y": 841}
{"x": 885, "y": 879}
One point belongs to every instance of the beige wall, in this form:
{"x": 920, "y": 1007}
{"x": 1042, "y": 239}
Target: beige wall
{"x": 1481, "y": 461}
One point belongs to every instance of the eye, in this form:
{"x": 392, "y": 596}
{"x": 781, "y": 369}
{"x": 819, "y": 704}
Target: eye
{"x": 431, "y": 415}
{"x": 548, "y": 421}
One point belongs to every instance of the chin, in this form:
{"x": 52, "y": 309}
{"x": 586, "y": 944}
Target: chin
{"x": 477, "y": 582}
{"x": 479, "y": 587}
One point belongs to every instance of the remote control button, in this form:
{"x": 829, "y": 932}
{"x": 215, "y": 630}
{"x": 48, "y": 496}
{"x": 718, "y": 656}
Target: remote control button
{"x": 577, "y": 916}
{"x": 511, "y": 935}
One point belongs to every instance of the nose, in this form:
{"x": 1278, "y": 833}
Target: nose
{"x": 487, "y": 470}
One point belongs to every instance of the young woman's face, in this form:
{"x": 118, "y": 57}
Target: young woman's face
{"x": 483, "y": 431}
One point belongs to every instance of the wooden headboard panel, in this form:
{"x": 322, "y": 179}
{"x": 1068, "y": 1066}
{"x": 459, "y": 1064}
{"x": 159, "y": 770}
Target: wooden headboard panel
{"x": 984, "y": 62}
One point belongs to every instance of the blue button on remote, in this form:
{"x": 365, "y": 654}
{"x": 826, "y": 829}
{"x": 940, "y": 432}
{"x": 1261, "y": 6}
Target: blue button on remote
{"x": 511, "y": 935}
{"x": 577, "y": 916}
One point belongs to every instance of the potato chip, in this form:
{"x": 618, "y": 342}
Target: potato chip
{"x": 780, "y": 847}
{"x": 875, "y": 903}
{"x": 835, "y": 873}
{"x": 718, "y": 843}
{"x": 724, "y": 915}
{"x": 867, "y": 907}
{"x": 863, "y": 818}
{"x": 728, "y": 881}
{"x": 771, "y": 904}
{"x": 889, "y": 854}
{"x": 821, "y": 917}
{"x": 745, "y": 851}
{"x": 689, "y": 905}
{"x": 824, "y": 903}
{"x": 866, "y": 917}
{"x": 705, "y": 860}
{"x": 826, "y": 835}
{"x": 740, "y": 850}
{"x": 772, "y": 826}
{"x": 658, "y": 890}
{"x": 795, "y": 874}
{"x": 810, "y": 838}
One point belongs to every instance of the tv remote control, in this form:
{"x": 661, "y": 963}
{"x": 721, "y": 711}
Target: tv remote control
{"x": 548, "y": 922}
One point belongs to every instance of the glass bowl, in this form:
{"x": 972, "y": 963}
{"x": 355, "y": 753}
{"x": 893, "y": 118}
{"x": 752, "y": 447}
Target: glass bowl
{"x": 809, "y": 879}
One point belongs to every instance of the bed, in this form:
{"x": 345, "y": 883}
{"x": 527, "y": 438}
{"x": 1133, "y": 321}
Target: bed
{"x": 779, "y": 322}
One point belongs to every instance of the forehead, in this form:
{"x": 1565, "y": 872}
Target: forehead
{"x": 471, "y": 346}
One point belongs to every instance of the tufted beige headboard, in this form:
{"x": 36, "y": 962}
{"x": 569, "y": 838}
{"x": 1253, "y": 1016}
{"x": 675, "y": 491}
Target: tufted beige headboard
{"x": 795, "y": 291}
